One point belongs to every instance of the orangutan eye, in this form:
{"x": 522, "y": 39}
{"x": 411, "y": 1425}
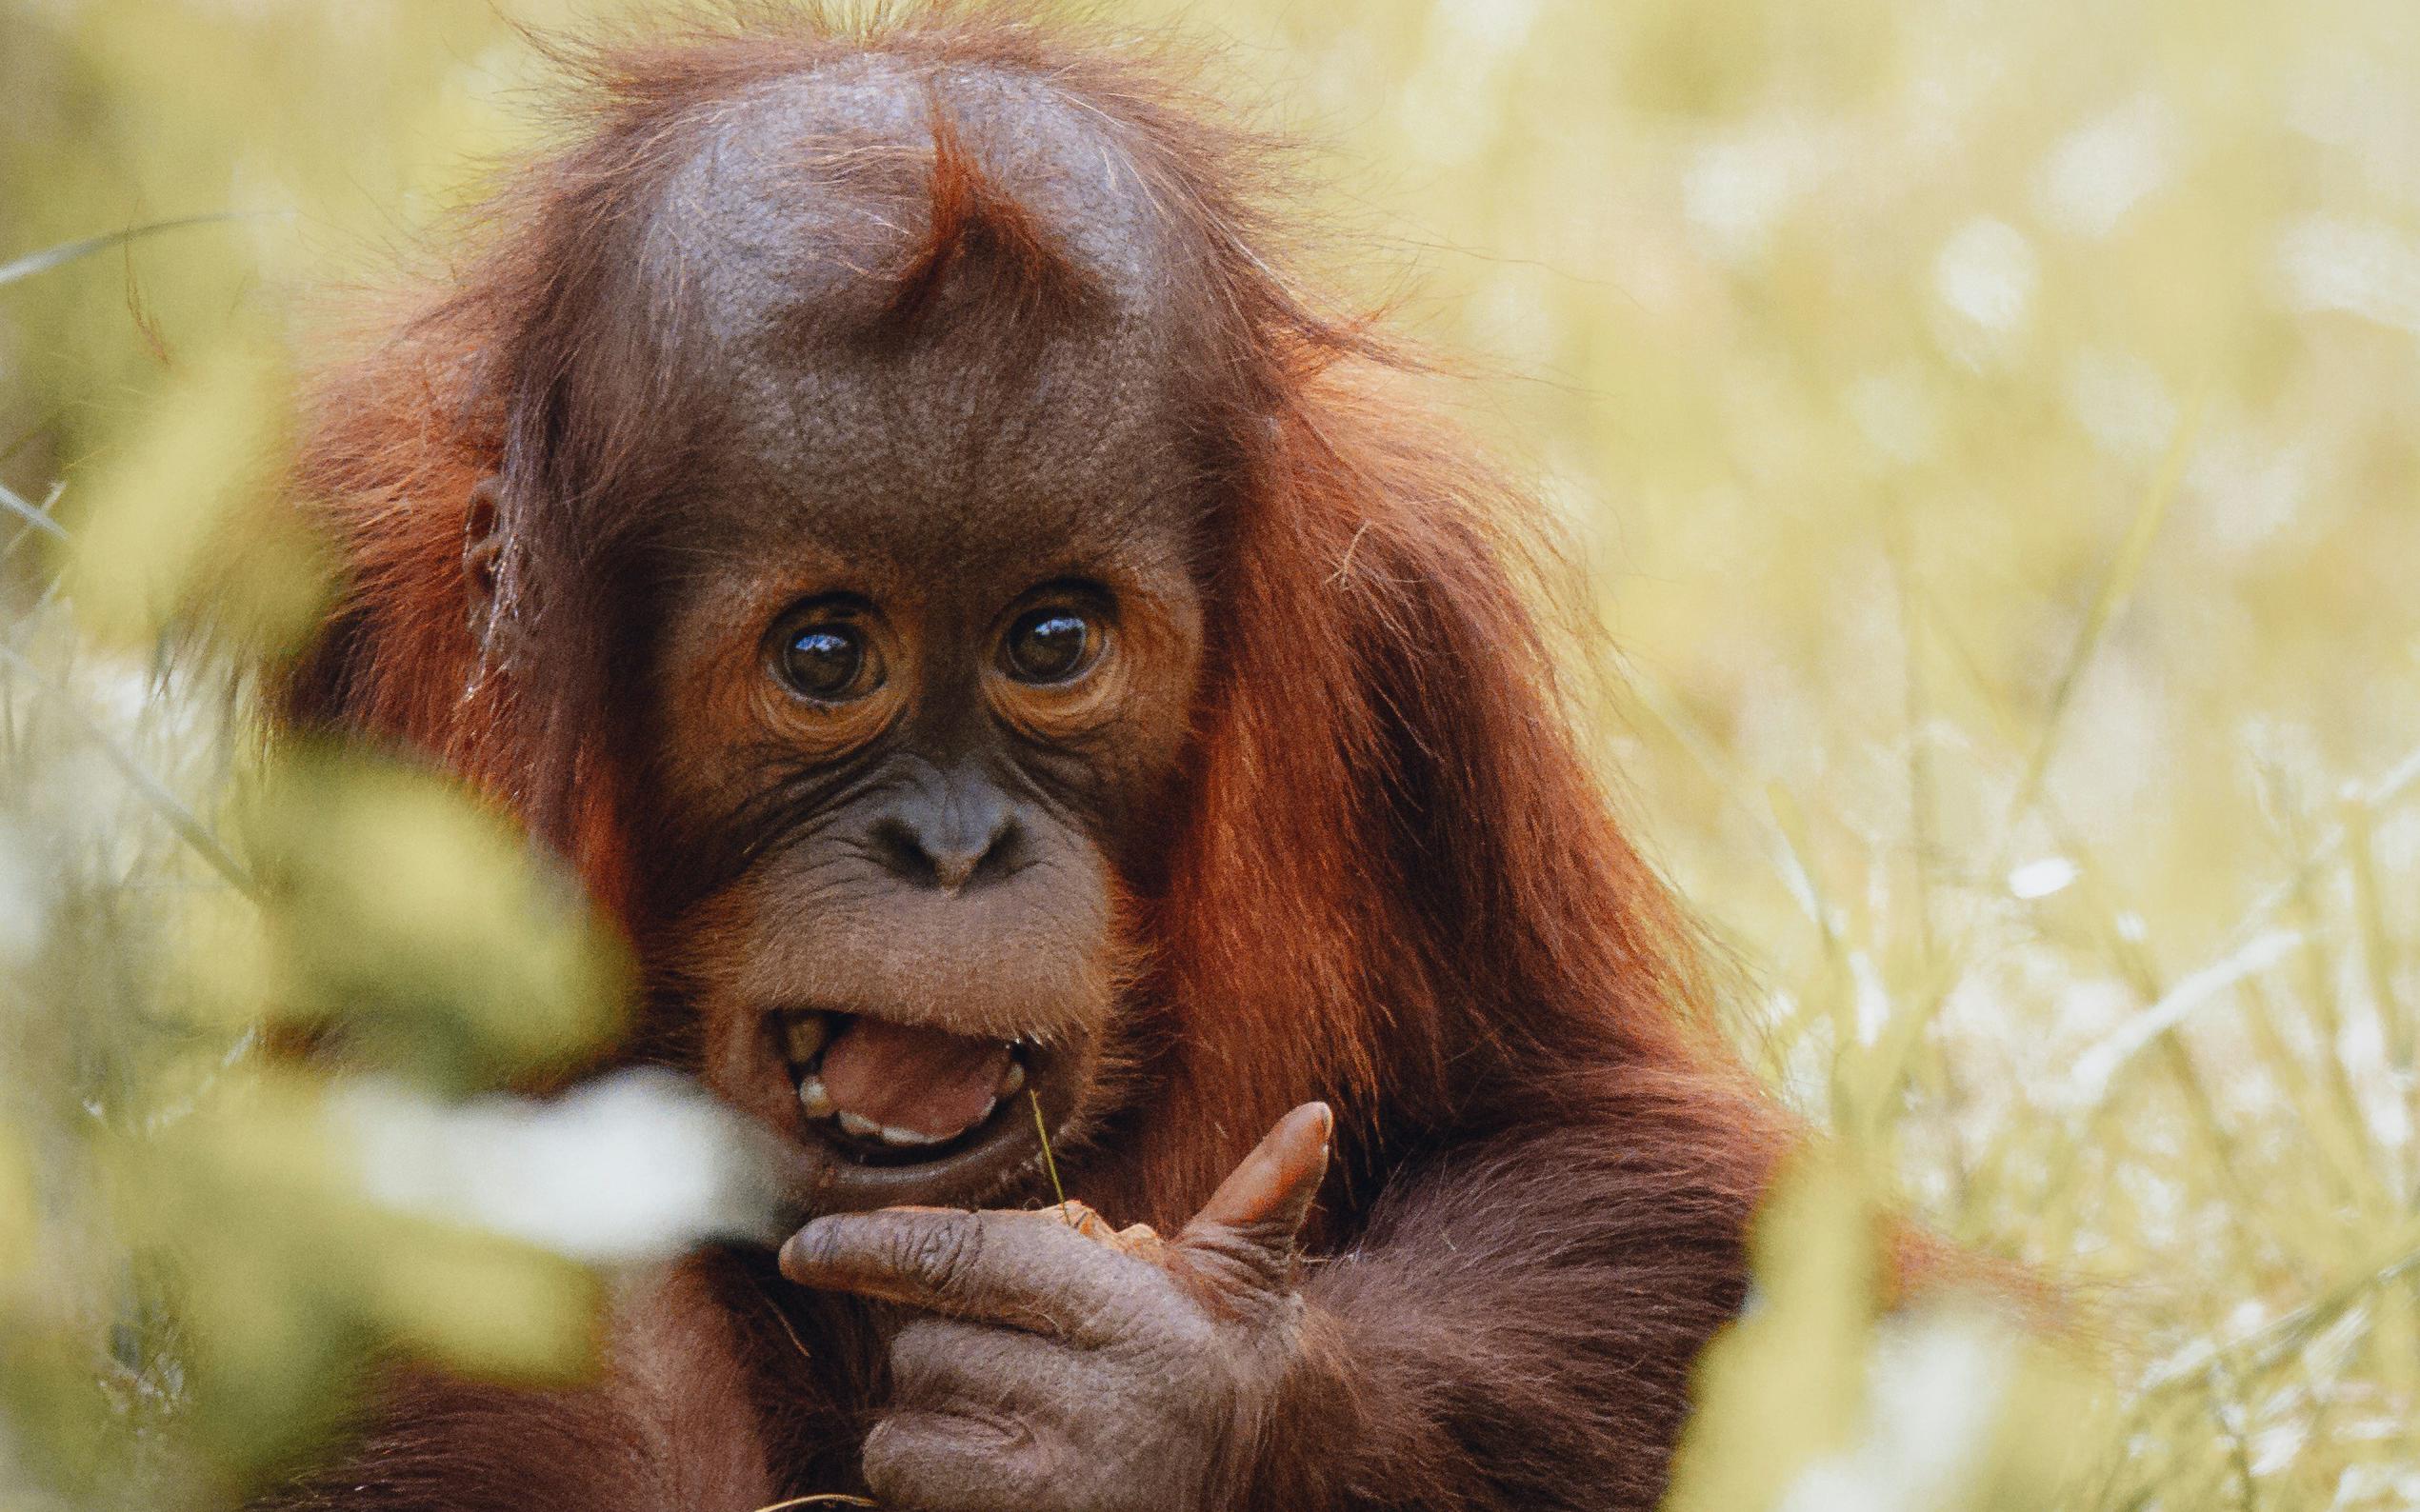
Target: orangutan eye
{"x": 1050, "y": 645}
{"x": 827, "y": 660}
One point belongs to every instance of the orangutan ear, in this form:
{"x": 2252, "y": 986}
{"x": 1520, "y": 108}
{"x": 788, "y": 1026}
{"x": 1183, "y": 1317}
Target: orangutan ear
{"x": 482, "y": 548}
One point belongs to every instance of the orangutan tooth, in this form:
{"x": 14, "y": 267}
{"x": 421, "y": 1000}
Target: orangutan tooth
{"x": 812, "y": 1097}
{"x": 1011, "y": 1080}
{"x": 863, "y": 1127}
{"x": 907, "y": 1136}
{"x": 803, "y": 1037}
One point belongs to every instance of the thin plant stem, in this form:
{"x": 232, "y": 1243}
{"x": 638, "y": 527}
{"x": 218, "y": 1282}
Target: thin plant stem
{"x": 1050, "y": 1162}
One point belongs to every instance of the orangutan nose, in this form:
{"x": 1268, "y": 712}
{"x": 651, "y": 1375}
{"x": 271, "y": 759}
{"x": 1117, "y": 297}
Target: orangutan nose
{"x": 964, "y": 833}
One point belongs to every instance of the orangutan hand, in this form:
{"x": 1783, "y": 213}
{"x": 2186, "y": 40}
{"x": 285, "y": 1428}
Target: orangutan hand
{"x": 1068, "y": 1367}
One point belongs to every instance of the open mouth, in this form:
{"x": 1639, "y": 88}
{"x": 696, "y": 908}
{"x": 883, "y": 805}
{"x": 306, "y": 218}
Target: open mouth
{"x": 888, "y": 1094}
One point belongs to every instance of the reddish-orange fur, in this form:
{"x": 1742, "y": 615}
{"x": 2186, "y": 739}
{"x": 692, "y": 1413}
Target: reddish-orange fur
{"x": 1399, "y": 886}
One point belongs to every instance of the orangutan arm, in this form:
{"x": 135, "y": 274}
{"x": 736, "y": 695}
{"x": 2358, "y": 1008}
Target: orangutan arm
{"x": 1516, "y": 1328}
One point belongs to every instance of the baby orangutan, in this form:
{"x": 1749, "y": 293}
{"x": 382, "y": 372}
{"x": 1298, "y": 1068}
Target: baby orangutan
{"x": 1029, "y": 682}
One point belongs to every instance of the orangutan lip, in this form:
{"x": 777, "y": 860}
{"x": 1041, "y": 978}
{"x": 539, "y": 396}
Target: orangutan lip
{"x": 807, "y": 1035}
{"x": 905, "y": 1074}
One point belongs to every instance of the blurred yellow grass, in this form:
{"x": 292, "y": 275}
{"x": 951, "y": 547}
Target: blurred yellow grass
{"x": 1990, "y": 434}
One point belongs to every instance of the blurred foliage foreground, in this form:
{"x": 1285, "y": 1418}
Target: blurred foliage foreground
{"x": 1992, "y": 429}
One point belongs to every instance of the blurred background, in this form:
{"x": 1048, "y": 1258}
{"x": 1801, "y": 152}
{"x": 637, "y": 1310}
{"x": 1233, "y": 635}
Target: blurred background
{"x": 1990, "y": 434}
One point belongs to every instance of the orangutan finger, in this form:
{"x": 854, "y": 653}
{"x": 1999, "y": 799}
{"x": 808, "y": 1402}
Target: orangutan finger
{"x": 1026, "y": 1270}
{"x": 1252, "y": 1217}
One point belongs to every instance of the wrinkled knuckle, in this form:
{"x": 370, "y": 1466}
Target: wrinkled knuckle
{"x": 945, "y": 1254}
{"x": 1239, "y": 1262}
